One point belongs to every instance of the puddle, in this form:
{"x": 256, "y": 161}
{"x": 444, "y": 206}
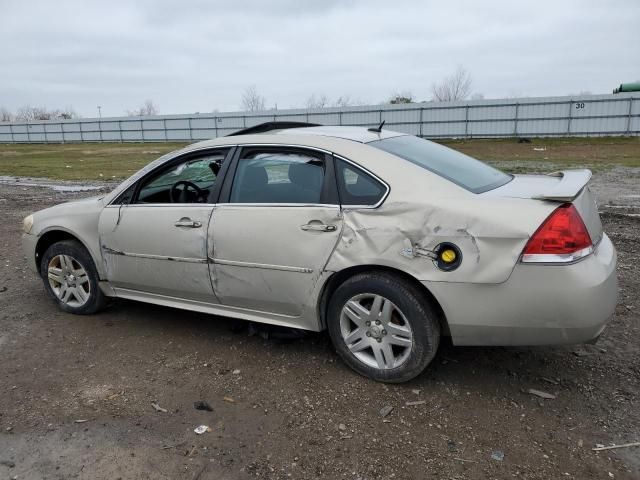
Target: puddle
{"x": 628, "y": 207}
{"x": 58, "y": 187}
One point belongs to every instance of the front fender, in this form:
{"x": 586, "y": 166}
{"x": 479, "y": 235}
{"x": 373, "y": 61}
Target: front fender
{"x": 91, "y": 247}
{"x": 77, "y": 219}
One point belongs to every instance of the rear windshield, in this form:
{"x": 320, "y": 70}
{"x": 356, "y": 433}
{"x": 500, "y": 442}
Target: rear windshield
{"x": 457, "y": 167}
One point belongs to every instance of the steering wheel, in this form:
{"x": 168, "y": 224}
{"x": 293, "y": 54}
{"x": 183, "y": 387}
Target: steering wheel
{"x": 184, "y": 195}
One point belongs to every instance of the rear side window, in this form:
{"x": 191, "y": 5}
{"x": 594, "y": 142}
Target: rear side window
{"x": 469, "y": 173}
{"x": 278, "y": 177}
{"x": 356, "y": 187}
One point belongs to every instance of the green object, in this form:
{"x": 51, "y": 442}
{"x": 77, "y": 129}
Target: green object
{"x": 627, "y": 87}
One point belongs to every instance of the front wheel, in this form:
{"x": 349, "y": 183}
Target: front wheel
{"x": 70, "y": 277}
{"x": 383, "y": 327}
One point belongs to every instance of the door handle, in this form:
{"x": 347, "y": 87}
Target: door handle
{"x": 318, "y": 227}
{"x": 188, "y": 223}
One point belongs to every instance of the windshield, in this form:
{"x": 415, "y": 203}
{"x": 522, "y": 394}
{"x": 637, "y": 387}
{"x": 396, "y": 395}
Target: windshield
{"x": 457, "y": 167}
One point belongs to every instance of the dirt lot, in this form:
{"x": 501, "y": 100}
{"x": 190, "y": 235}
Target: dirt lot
{"x": 76, "y": 392}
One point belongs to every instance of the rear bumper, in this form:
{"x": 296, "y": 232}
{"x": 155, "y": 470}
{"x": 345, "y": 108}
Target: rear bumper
{"x": 537, "y": 305}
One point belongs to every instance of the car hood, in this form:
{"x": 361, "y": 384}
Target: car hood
{"x": 79, "y": 204}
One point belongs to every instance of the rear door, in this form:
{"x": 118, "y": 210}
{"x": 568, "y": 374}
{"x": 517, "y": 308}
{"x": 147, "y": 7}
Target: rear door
{"x": 276, "y": 224}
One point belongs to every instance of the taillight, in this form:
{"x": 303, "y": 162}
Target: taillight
{"x": 562, "y": 238}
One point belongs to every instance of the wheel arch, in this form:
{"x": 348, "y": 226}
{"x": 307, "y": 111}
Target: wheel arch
{"x": 337, "y": 278}
{"x": 58, "y": 234}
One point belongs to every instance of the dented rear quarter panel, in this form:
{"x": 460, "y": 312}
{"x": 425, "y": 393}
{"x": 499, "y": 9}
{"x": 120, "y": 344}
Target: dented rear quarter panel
{"x": 490, "y": 235}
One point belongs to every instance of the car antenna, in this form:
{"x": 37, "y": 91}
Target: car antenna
{"x": 377, "y": 129}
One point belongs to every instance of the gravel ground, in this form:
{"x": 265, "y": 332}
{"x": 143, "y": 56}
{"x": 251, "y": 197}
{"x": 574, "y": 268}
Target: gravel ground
{"x": 76, "y": 393}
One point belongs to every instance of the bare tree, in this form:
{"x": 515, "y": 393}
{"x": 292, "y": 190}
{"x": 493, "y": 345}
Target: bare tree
{"x": 5, "y": 115}
{"x": 454, "y": 87}
{"x": 401, "y": 97}
{"x": 320, "y": 101}
{"x": 147, "y": 109}
{"x": 67, "y": 114}
{"x": 27, "y": 113}
{"x": 252, "y": 101}
{"x": 343, "y": 101}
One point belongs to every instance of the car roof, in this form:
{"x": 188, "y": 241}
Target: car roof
{"x": 325, "y": 137}
{"x": 354, "y": 133}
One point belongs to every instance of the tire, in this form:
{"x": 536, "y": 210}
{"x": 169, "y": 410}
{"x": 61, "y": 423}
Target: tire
{"x": 71, "y": 279}
{"x": 403, "y": 343}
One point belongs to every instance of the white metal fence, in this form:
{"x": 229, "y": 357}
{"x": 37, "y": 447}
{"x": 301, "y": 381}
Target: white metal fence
{"x": 585, "y": 115}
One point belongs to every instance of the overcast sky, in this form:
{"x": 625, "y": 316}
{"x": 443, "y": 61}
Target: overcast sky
{"x": 199, "y": 56}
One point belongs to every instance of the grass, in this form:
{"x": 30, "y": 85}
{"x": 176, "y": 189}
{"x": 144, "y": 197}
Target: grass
{"x": 550, "y": 154}
{"x": 110, "y": 161}
{"x": 79, "y": 161}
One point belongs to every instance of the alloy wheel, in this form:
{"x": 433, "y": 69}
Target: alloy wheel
{"x": 69, "y": 280}
{"x": 376, "y": 331}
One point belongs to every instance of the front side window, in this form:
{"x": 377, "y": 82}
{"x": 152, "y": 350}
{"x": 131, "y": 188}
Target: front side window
{"x": 272, "y": 176}
{"x": 188, "y": 182}
{"x": 461, "y": 169}
{"x": 356, "y": 187}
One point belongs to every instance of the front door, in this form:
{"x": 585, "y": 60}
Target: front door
{"x": 158, "y": 242}
{"x": 273, "y": 237}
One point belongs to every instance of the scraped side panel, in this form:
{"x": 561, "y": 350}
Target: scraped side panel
{"x": 270, "y": 257}
{"x": 142, "y": 249}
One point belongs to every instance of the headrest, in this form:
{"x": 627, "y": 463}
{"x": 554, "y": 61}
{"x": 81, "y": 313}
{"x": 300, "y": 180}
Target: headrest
{"x": 306, "y": 176}
{"x": 255, "y": 177}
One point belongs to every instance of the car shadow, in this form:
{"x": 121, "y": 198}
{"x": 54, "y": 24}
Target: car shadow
{"x": 536, "y": 366}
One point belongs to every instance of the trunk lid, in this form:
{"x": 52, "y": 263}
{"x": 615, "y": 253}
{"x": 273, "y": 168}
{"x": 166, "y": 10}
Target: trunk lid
{"x": 568, "y": 186}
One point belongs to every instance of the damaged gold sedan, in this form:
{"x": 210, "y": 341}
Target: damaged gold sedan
{"x": 386, "y": 240}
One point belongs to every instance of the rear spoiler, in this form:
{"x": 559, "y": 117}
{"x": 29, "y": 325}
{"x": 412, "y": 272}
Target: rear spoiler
{"x": 568, "y": 187}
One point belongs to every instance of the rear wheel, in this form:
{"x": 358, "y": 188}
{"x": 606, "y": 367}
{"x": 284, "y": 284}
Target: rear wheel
{"x": 383, "y": 327}
{"x": 70, "y": 277}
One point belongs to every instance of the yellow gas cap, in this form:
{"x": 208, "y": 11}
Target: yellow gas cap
{"x": 448, "y": 256}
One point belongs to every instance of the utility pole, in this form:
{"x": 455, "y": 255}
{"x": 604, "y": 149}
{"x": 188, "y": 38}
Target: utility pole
{"x": 99, "y": 111}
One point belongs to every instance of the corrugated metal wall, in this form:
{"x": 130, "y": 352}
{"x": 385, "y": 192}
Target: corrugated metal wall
{"x": 586, "y": 115}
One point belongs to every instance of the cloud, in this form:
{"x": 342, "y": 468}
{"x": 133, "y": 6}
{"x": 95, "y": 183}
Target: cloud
{"x": 199, "y": 55}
